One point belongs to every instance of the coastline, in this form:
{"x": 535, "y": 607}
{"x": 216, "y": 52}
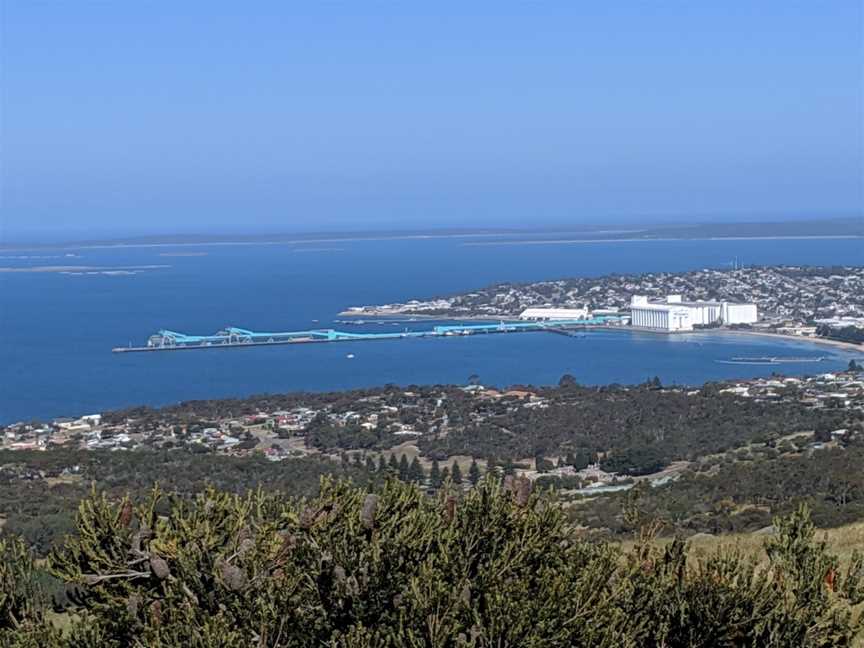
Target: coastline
{"x": 849, "y": 346}
{"x": 843, "y": 352}
{"x": 661, "y": 240}
{"x": 837, "y": 344}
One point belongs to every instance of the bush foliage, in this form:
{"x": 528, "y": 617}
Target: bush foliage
{"x": 497, "y": 566}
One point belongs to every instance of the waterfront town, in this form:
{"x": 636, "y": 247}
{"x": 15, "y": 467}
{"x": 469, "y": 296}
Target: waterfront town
{"x": 390, "y": 422}
{"x": 443, "y": 422}
{"x": 796, "y": 300}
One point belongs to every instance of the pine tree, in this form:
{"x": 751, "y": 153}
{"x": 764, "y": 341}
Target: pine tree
{"x": 403, "y": 468}
{"x": 445, "y": 474}
{"x": 393, "y": 464}
{"x": 370, "y": 463}
{"x": 492, "y": 465}
{"x": 582, "y": 459}
{"x": 382, "y": 463}
{"x": 456, "y": 473}
{"x": 435, "y": 475}
{"x": 474, "y": 473}
{"x": 415, "y": 471}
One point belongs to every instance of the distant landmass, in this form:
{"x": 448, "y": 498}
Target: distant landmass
{"x": 828, "y": 227}
{"x": 833, "y": 227}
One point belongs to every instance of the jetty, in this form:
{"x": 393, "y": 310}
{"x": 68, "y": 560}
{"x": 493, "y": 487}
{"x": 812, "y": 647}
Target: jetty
{"x": 233, "y": 337}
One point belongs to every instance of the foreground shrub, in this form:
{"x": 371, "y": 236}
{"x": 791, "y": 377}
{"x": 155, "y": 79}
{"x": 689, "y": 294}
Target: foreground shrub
{"x": 499, "y": 566}
{"x": 22, "y": 600}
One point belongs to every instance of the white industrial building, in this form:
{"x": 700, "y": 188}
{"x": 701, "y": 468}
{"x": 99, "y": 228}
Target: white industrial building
{"x": 677, "y": 315}
{"x": 554, "y": 314}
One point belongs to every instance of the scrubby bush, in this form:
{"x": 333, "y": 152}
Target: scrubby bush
{"x": 22, "y": 600}
{"x": 497, "y": 566}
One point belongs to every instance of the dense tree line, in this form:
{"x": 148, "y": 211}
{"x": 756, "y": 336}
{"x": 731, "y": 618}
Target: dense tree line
{"x": 742, "y": 493}
{"x": 42, "y": 510}
{"x": 498, "y": 566}
{"x": 853, "y": 334}
{"x": 634, "y": 430}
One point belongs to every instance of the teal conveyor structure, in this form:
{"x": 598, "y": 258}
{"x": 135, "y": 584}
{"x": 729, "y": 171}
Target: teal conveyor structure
{"x": 231, "y": 336}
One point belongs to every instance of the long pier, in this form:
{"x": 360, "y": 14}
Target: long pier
{"x": 232, "y": 337}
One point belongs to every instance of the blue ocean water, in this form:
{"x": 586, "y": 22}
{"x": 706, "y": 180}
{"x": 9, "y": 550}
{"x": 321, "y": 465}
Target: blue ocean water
{"x": 57, "y": 330}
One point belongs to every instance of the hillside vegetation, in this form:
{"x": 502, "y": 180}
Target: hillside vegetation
{"x": 497, "y": 566}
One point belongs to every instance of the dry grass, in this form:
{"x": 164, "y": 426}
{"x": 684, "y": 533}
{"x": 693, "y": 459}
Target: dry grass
{"x": 842, "y": 541}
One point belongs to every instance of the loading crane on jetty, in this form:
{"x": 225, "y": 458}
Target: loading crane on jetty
{"x": 231, "y": 337}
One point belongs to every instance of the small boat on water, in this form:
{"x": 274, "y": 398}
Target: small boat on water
{"x": 350, "y": 356}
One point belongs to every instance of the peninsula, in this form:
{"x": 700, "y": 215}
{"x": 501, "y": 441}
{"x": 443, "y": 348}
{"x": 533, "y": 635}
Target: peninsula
{"x": 798, "y": 300}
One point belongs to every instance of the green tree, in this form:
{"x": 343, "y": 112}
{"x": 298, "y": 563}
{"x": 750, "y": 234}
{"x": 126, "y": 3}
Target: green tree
{"x": 474, "y": 473}
{"x": 403, "y": 468}
{"x": 455, "y": 473}
{"x": 567, "y": 380}
{"x": 823, "y": 431}
{"x": 541, "y": 464}
{"x": 415, "y": 471}
{"x": 581, "y": 459}
{"x": 435, "y": 474}
{"x": 492, "y": 466}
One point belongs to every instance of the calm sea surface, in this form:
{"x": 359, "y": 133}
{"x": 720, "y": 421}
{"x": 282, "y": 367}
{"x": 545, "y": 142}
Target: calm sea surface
{"x": 57, "y": 330}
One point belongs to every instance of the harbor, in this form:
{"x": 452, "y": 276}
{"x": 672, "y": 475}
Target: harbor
{"x": 233, "y": 337}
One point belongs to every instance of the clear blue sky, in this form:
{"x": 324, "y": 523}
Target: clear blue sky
{"x": 203, "y": 116}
